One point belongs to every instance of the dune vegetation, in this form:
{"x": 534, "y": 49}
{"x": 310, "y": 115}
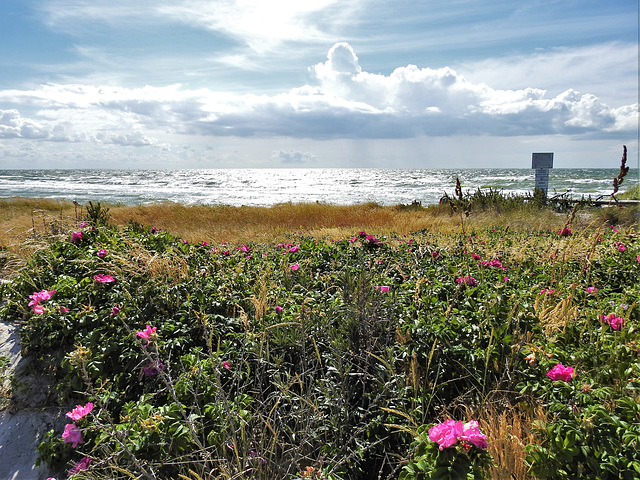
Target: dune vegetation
{"x": 489, "y": 337}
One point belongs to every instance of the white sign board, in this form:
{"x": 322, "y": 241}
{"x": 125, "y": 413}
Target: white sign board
{"x": 542, "y": 160}
{"x": 542, "y": 179}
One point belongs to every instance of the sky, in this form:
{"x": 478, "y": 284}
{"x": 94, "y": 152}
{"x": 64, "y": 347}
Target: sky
{"x": 317, "y": 83}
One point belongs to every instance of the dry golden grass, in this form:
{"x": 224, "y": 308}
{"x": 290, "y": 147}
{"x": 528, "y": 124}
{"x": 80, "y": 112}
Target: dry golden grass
{"x": 29, "y": 224}
{"x": 21, "y": 217}
{"x": 509, "y": 431}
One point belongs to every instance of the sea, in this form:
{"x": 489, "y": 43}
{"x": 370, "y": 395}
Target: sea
{"x": 268, "y": 187}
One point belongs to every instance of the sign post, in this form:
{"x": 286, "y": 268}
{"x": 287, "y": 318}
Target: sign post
{"x": 542, "y": 162}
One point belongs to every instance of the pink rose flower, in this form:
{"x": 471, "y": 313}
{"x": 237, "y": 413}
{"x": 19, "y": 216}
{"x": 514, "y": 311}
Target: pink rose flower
{"x": 72, "y": 435}
{"x": 41, "y": 296}
{"x": 472, "y": 434}
{"x": 37, "y": 309}
{"x": 467, "y": 280}
{"x": 616, "y": 323}
{"x": 80, "y": 466}
{"x": 80, "y": 411}
{"x": 100, "y": 278}
{"x": 148, "y": 333}
{"x": 560, "y": 372}
{"x": 449, "y": 432}
{"x": 446, "y": 433}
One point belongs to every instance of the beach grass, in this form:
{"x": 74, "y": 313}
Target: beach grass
{"x": 33, "y": 218}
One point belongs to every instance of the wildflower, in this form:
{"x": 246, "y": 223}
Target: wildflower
{"x": 101, "y": 253}
{"x": 226, "y": 365}
{"x": 372, "y": 240}
{"x": 153, "y": 368}
{"x": 560, "y": 372}
{"x": 434, "y": 254}
{"x": 592, "y": 290}
{"x": 449, "y": 432}
{"x": 472, "y": 434}
{"x": 382, "y": 288}
{"x": 243, "y": 248}
{"x": 279, "y": 309}
{"x": 492, "y": 263}
{"x": 100, "y": 278}
{"x": 80, "y": 466}
{"x": 37, "y": 309}
{"x": 62, "y": 309}
{"x": 294, "y": 249}
{"x": 564, "y": 232}
{"x": 72, "y": 435}
{"x": 76, "y": 237}
{"x": 621, "y": 248}
{"x": 547, "y": 291}
{"x": 638, "y": 258}
{"x": 80, "y": 411}
{"x": 148, "y": 333}
{"x": 467, "y": 280}
{"x": 476, "y": 256}
{"x": 294, "y": 267}
{"x": 506, "y": 279}
{"x": 40, "y": 296}
{"x": 616, "y": 323}
{"x": 114, "y": 311}
{"x": 154, "y": 230}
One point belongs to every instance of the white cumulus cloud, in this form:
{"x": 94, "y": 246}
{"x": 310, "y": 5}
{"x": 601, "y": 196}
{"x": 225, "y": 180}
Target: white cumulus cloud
{"x": 343, "y": 101}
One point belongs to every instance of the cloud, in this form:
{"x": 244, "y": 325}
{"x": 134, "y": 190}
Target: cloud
{"x": 13, "y": 125}
{"x": 293, "y": 157}
{"x": 257, "y": 24}
{"x": 590, "y": 68}
{"x": 345, "y": 101}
